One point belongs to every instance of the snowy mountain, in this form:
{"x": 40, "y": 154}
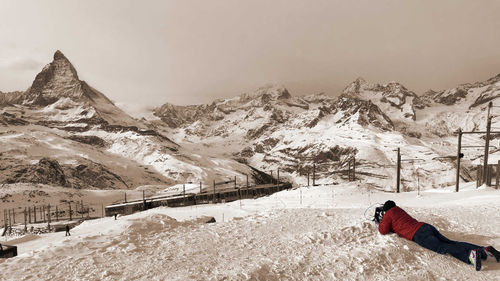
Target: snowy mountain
{"x": 270, "y": 129}
{"x": 392, "y": 98}
{"x": 63, "y": 132}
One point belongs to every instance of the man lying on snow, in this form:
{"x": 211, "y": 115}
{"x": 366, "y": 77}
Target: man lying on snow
{"x": 397, "y": 220}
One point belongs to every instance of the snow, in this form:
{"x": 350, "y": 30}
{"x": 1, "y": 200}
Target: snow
{"x": 309, "y": 233}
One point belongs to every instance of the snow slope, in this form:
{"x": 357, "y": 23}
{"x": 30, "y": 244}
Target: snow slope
{"x": 317, "y": 233}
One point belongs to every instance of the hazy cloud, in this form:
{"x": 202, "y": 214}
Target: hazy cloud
{"x": 22, "y": 64}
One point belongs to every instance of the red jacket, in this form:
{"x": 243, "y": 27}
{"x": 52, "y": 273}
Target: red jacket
{"x": 398, "y": 221}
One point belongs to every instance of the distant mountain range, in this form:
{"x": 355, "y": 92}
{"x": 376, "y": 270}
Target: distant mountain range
{"x": 272, "y": 129}
{"x": 62, "y": 131}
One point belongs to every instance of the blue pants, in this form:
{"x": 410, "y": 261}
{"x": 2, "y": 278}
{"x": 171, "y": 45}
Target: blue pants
{"x": 429, "y": 237}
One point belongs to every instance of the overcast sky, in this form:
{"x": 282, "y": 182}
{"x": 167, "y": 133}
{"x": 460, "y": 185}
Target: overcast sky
{"x": 191, "y": 52}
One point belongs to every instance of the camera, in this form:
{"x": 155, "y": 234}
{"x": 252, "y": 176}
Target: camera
{"x": 379, "y": 214}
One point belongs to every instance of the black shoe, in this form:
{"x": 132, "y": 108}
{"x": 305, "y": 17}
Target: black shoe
{"x": 484, "y": 255}
{"x": 475, "y": 258}
{"x": 492, "y": 252}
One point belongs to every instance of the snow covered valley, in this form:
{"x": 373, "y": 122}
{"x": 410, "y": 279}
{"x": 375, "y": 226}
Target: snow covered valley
{"x": 315, "y": 233}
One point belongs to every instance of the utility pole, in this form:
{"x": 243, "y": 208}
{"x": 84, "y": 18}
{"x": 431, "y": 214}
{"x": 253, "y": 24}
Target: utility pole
{"x": 314, "y": 174}
{"x": 184, "y": 194}
{"x": 354, "y": 168}
{"x": 349, "y": 170}
{"x": 398, "y": 177}
{"x": 214, "y": 194}
{"x": 278, "y": 176}
{"x": 70, "y": 213}
{"x": 487, "y": 145}
{"x": 458, "y": 159}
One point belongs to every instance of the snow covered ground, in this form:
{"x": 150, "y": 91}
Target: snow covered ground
{"x": 316, "y": 233}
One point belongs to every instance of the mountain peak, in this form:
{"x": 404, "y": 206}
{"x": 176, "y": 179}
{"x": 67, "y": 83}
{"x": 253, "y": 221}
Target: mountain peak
{"x": 360, "y": 80}
{"x": 355, "y": 87}
{"x": 59, "y": 55}
{"x": 58, "y": 78}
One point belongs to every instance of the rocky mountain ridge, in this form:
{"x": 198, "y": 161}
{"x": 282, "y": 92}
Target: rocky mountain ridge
{"x": 270, "y": 128}
{"x": 61, "y": 131}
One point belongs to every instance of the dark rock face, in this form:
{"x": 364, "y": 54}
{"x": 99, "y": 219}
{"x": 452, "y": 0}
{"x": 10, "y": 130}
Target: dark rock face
{"x": 369, "y": 113}
{"x": 46, "y": 171}
{"x": 449, "y": 97}
{"x": 90, "y": 140}
{"x": 97, "y": 176}
{"x": 393, "y": 93}
{"x": 7, "y": 119}
{"x": 210, "y": 220}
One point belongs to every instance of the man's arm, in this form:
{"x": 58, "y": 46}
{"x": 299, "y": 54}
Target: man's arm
{"x": 385, "y": 225}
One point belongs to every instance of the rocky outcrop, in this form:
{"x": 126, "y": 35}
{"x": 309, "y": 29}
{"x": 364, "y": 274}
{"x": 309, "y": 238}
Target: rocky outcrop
{"x": 366, "y": 112}
{"x": 95, "y": 175}
{"x": 394, "y": 98}
{"x": 482, "y": 92}
{"x": 10, "y": 98}
{"x": 7, "y": 119}
{"x": 48, "y": 171}
{"x": 90, "y": 140}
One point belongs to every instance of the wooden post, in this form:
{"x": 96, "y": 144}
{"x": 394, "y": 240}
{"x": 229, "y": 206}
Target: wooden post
{"x": 102, "y": 210}
{"x": 70, "y": 212}
{"x": 497, "y": 174}
{"x": 354, "y": 168}
{"x": 213, "y": 198}
{"x": 184, "y": 194}
{"x": 307, "y": 178}
{"x": 57, "y": 213}
{"x": 398, "y": 175}
{"x": 278, "y": 176}
{"x": 490, "y": 174}
{"x": 34, "y": 213}
{"x": 14, "y": 215}
{"x": 349, "y": 170}
{"x": 125, "y": 197}
{"x": 247, "y": 185}
{"x": 479, "y": 175}
{"x": 301, "y": 196}
{"x": 48, "y": 216}
{"x": 25, "y": 219}
{"x": 457, "y": 179}
{"x": 29, "y": 215}
{"x": 487, "y": 144}
{"x": 81, "y": 209}
{"x": 314, "y": 174}
{"x": 200, "y": 187}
